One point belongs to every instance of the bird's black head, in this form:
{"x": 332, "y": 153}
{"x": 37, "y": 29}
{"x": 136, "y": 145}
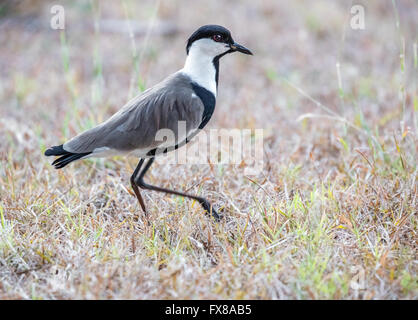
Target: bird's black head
{"x": 214, "y": 40}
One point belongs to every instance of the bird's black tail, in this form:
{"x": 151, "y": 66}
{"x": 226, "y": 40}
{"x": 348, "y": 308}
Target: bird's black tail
{"x": 66, "y": 157}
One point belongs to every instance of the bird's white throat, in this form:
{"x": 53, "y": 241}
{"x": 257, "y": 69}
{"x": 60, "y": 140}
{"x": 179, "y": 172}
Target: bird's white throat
{"x": 201, "y": 70}
{"x": 199, "y": 63}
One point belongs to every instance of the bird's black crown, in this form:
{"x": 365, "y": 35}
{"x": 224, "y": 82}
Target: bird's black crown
{"x": 209, "y": 31}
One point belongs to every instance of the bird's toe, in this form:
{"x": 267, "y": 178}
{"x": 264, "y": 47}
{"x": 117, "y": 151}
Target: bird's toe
{"x": 211, "y": 210}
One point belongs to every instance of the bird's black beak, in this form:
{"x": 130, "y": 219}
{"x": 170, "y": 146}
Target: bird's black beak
{"x": 237, "y": 47}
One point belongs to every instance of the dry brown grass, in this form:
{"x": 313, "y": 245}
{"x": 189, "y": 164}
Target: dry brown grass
{"x": 337, "y": 198}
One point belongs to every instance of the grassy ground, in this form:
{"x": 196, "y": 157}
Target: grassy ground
{"x": 333, "y": 214}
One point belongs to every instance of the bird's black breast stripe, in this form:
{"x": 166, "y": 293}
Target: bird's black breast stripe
{"x": 208, "y": 99}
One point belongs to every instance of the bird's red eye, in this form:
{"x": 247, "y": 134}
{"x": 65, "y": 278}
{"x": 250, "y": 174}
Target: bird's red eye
{"x": 217, "y": 37}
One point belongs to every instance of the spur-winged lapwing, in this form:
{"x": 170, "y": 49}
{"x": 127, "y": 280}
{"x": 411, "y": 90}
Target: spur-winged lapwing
{"x": 188, "y": 95}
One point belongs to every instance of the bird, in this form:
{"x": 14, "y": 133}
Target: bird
{"x": 187, "y": 95}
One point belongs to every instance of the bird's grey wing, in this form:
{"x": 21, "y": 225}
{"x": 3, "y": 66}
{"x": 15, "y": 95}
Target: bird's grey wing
{"x": 136, "y": 125}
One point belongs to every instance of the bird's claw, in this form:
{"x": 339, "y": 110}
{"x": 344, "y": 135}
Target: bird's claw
{"x": 211, "y": 210}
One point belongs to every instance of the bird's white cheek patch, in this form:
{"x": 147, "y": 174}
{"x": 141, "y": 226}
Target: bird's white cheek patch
{"x": 209, "y": 47}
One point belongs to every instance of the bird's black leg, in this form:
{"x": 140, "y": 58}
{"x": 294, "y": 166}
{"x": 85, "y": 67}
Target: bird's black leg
{"x": 139, "y": 181}
{"x": 135, "y": 187}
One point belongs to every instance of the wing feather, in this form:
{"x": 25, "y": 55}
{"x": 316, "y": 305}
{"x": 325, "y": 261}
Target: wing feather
{"x": 135, "y": 126}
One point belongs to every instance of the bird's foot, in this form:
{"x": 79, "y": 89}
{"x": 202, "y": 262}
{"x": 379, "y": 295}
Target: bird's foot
{"x": 211, "y": 210}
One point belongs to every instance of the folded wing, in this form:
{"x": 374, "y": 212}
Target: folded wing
{"x": 136, "y": 125}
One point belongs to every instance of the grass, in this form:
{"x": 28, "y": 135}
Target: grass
{"x": 333, "y": 214}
